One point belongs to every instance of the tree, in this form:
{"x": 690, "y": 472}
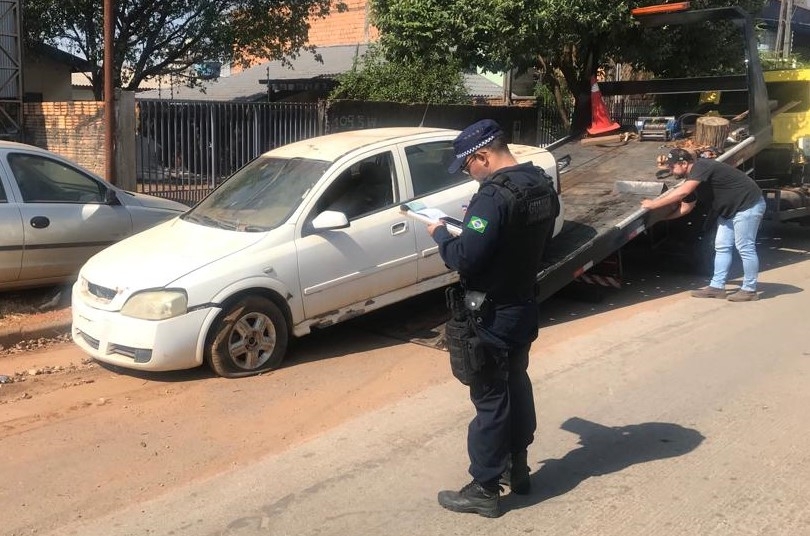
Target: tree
{"x": 154, "y": 38}
{"x": 565, "y": 40}
{"x": 411, "y": 80}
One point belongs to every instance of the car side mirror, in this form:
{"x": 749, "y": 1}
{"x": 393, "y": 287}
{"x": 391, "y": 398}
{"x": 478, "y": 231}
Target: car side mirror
{"x": 111, "y": 198}
{"x": 330, "y": 219}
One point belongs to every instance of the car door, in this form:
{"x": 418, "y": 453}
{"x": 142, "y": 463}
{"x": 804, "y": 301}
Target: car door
{"x": 432, "y": 184}
{"x": 64, "y": 215}
{"x": 11, "y": 235}
{"x": 374, "y": 255}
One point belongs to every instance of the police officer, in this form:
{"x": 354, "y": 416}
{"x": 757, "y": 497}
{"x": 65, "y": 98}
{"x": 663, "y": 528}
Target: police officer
{"x": 498, "y": 255}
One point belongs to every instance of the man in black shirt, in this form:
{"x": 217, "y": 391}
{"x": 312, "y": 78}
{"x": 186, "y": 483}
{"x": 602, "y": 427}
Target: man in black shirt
{"x": 498, "y": 256}
{"x": 737, "y": 200}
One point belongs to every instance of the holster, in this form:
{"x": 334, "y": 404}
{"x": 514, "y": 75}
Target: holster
{"x": 467, "y": 352}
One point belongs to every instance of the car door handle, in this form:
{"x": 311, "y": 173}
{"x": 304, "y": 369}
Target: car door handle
{"x": 399, "y": 228}
{"x": 40, "y": 222}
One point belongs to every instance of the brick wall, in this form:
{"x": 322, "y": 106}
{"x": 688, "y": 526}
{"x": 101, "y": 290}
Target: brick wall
{"x": 347, "y": 28}
{"x": 74, "y": 130}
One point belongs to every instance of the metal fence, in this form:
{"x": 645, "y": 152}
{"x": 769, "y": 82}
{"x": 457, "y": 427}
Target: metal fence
{"x": 622, "y": 109}
{"x": 550, "y": 126}
{"x": 626, "y": 109}
{"x": 184, "y": 149}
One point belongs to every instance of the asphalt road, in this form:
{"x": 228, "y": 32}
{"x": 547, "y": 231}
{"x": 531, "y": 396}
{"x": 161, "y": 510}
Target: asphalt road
{"x": 658, "y": 414}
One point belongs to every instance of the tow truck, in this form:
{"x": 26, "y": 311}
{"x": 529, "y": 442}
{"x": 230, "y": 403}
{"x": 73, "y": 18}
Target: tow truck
{"x": 603, "y": 182}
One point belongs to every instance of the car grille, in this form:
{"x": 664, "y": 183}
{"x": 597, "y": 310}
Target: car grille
{"x": 88, "y": 339}
{"x": 104, "y": 293}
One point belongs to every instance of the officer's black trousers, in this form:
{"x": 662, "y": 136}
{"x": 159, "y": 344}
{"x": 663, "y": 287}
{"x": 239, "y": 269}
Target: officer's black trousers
{"x": 505, "y": 418}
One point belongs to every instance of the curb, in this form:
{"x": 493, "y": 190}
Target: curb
{"x": 12, "y": 336}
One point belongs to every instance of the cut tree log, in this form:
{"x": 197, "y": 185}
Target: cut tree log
{"x": 712, "y": 131}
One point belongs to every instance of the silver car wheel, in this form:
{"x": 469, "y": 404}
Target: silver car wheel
{"x": 252, "y": 341}
{"x": 250, "y": 337}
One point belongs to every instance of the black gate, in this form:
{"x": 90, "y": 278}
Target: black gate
{"x": 184, "y": 149}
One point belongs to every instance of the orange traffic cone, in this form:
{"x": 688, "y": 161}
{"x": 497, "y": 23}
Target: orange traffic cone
{"x": 600, "y": 120}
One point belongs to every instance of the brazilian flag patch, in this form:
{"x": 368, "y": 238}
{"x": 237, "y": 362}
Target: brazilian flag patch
{"x": 477, "y": 224}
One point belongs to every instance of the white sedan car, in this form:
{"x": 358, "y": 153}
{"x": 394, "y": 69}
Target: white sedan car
{"x": 304, "y": 236}
{"x": 54, "y": 215}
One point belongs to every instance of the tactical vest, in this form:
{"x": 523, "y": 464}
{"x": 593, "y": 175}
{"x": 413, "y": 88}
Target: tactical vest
{"x": 532, "y": 211}
{"x": 530, "y": 205}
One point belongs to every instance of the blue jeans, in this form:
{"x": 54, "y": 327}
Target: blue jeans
{"x": 739, "y": 231}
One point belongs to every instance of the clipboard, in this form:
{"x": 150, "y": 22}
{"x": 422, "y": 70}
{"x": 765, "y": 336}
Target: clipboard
{"x": 428, "y": 215}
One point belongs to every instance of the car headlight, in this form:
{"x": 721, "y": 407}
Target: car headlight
{"x": 156, "y": 304}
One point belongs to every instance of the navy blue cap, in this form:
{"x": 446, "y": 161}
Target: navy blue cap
{"x": 471, "y": 139}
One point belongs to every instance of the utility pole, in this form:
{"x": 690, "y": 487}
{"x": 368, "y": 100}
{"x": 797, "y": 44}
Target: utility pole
{"x": 109, "y": 92}
{"x": 784, "y": 34}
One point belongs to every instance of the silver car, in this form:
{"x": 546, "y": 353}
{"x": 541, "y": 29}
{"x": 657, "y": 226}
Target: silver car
{"x": 54, "y": 215}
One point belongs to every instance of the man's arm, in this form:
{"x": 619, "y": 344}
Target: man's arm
{"x": 671, "y": 197}
{"x": 473, "y": 249}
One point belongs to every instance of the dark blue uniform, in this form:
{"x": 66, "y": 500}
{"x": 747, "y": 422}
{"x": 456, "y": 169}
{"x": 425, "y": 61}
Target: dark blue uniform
{"x": 499, "y": 254}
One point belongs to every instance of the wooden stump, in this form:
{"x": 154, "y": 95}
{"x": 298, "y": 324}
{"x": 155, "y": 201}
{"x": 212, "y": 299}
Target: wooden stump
{"x": 711, "y": 130}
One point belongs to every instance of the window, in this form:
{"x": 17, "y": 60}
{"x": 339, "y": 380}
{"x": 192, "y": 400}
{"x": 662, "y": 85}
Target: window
{"x": 365, "y": 187}
{"x": 3, "y": 198}
{"x": 42, "y": 180}
{"x": 428, "y": 164}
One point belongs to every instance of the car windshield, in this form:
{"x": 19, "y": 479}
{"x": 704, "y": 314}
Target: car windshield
{"x": 260, "y": 196}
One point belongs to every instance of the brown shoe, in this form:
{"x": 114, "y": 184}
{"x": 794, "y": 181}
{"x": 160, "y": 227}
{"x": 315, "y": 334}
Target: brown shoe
{"x": 709, "y": 292}
{"x": 744, "y": 295}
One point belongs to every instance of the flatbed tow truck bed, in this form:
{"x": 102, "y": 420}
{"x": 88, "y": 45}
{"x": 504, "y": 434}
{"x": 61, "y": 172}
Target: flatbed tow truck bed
{"x": 599, "y": 219}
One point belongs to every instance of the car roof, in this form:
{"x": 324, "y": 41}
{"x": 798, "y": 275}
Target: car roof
{"x": 330, "y": 147}
{"x": 15, "y": 145}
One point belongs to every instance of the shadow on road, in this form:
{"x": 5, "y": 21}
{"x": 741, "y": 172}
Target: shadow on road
{"x": 604, "y": 450}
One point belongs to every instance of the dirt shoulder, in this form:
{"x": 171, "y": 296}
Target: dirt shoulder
{"x": 32, "y": 319}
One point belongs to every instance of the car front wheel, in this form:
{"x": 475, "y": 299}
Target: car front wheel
{"x": 249, "y": 338}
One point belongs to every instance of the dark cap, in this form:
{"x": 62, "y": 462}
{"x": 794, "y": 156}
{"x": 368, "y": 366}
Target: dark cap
{"x": 679, "y": 155}
{"x": 471, "y": 139}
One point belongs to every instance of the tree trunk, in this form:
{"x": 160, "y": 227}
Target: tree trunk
{"x": 711, "y": 131}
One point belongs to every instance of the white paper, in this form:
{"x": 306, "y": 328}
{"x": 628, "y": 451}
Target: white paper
{"x": 428, "y": 215}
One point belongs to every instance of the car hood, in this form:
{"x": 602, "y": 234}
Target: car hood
{"x": 150, "y": 201}
{"x": 158, "y": 256}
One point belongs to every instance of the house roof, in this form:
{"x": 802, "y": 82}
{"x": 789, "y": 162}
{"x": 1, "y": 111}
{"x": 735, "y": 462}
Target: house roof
{"x": 481, "y": 86}
{"x": 47, "y": 51}
{"x": 246, "y": 85}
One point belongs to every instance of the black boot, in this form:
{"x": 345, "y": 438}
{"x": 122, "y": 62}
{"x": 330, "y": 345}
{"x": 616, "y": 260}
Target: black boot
{"x": 516, "y": 475}
{"x": 472, "y": 498}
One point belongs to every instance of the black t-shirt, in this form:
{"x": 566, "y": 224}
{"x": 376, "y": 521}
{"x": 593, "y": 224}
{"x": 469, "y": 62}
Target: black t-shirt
{"x": 731, "y": 189}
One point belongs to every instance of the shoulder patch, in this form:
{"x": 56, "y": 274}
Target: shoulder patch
{"x": 477, "y": 224}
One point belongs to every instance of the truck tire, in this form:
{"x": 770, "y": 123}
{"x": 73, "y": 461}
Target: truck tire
{"x": 249, "y": 338}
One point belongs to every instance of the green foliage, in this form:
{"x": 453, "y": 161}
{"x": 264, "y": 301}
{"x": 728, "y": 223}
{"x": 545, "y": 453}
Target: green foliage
{"x": 770, "y": 62}
{"x": 566, "y": 40}
{"x": 407, "y": 80}
{"x": 154, "y": 38}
